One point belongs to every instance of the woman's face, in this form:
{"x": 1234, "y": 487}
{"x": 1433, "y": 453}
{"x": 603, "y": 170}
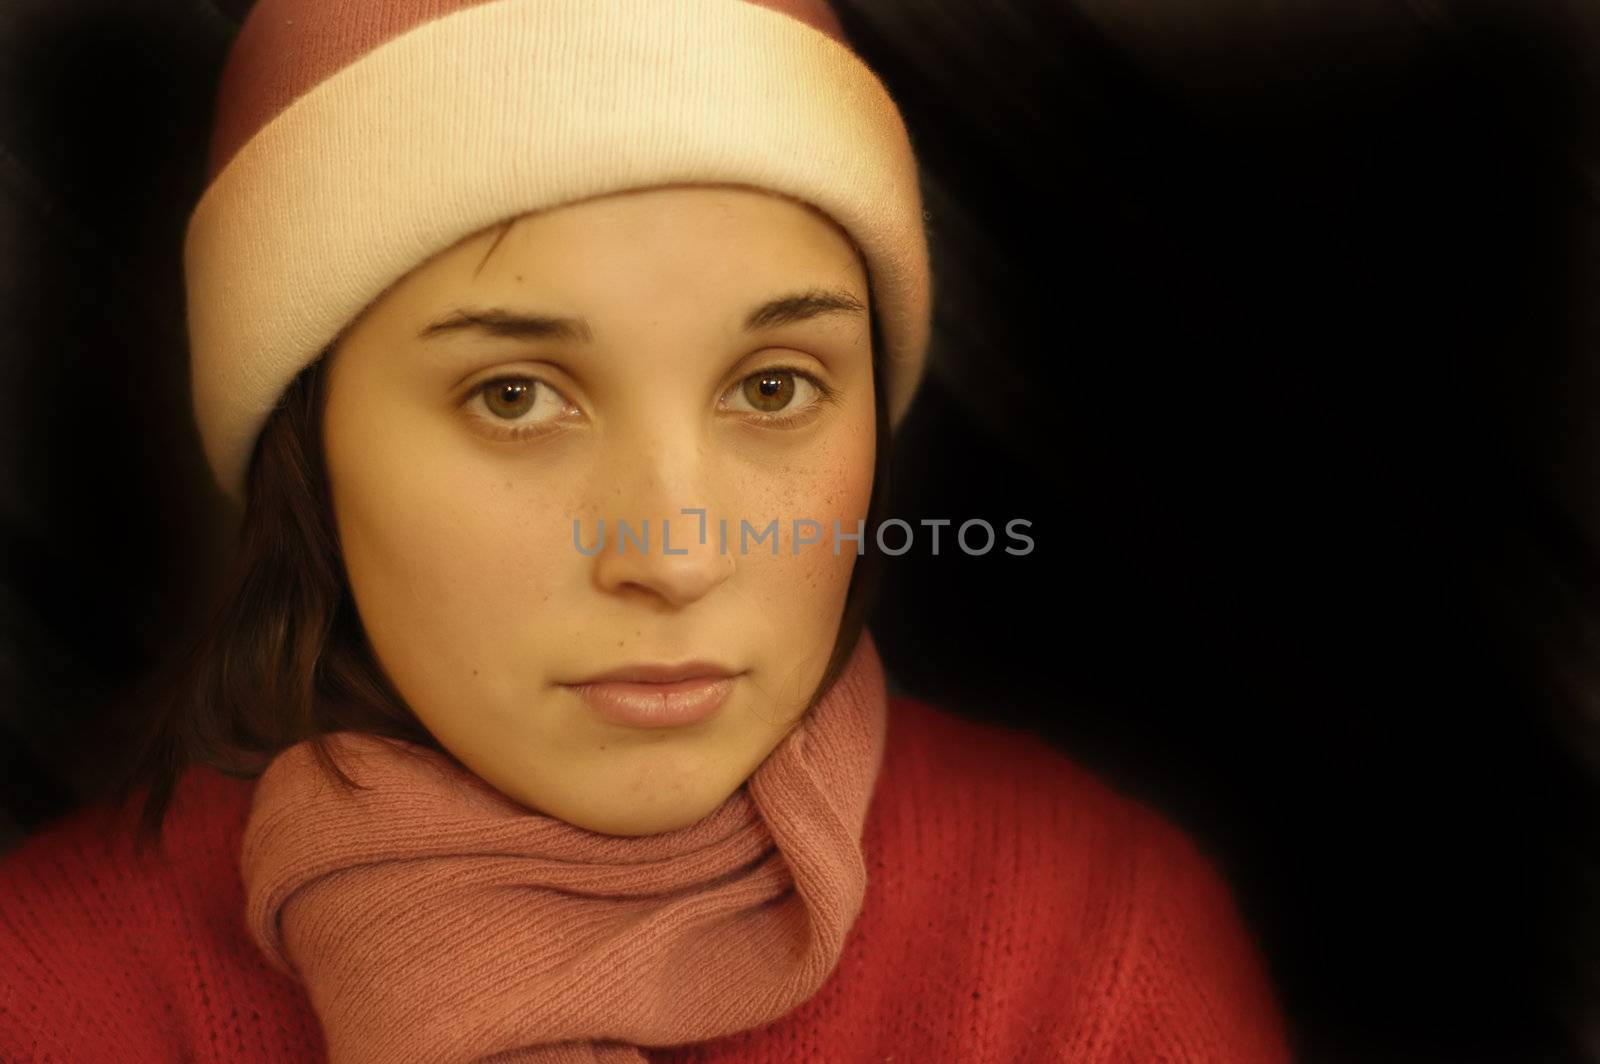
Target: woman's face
{"x": 466, "y": 430}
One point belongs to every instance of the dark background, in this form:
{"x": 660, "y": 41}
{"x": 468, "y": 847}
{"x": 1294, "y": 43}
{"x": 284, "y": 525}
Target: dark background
{"x": 1276, "y": 321}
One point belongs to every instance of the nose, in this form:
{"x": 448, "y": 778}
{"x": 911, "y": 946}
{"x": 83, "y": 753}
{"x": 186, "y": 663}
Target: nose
{"x": 650, "y": 545}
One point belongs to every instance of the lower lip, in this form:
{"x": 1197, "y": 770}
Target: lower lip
{"x": 657, "y": 705}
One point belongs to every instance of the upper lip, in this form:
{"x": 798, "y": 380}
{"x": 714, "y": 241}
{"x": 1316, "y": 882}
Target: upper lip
{"x": 656, "y": 673}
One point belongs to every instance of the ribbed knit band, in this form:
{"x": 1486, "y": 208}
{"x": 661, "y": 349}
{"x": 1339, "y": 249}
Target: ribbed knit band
{"x": 398, "y": 129}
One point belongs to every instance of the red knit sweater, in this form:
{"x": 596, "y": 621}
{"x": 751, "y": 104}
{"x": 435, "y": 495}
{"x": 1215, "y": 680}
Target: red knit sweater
{"x": 1017, "y": 909}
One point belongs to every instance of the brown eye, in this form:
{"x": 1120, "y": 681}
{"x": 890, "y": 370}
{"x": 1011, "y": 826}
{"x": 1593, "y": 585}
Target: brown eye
{"x": 779, "y": 397}
{"x": 519, "y": 406}
{"x": 769, "y": 392}
{"x": 509, "y": 399}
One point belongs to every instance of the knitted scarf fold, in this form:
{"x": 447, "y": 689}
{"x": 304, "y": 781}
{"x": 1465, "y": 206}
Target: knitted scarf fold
{"x": 432, "y": 918}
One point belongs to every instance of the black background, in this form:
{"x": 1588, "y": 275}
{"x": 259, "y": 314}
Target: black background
{"x": 1276, "y": 321}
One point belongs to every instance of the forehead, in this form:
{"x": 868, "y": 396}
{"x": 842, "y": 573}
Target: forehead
{"x": 667, "y": 252}
{"x": 714, "y": 232}
{"x": 659, "y": 263}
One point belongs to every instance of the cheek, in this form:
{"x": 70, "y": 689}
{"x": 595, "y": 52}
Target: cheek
{"x": 833, "y": 483}
{"x": 447, "y": 560}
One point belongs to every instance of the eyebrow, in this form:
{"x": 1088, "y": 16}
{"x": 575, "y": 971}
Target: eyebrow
{"x": 499, "y": 321}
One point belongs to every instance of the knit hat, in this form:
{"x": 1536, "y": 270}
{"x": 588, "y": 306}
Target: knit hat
{"x": 355, "y": 139}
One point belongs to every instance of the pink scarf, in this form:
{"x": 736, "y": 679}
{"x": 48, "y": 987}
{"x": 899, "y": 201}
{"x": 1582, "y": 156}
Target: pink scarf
{"x": 432, "y": 918}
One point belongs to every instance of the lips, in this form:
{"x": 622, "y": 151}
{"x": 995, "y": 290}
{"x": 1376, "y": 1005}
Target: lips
{"x": 670, "y": 704}
{"x": 649, "y": 673}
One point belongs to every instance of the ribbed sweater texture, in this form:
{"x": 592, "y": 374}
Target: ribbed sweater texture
{"x": 1018, "y": 908}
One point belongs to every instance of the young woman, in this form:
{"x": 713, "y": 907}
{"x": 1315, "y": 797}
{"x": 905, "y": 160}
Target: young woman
{"x": 552, "y": 349}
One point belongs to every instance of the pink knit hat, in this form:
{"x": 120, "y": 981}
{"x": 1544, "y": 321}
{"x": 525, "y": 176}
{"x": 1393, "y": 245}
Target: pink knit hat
{"x": 355, "y": 139}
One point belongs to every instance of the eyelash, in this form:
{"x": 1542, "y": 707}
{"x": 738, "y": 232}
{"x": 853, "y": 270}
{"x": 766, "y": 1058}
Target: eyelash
{"x": 825, "y": 394}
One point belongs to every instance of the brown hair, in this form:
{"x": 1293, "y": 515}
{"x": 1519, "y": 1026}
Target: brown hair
{"x": 284, "y": 657}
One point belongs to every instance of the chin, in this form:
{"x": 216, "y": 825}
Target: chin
{"x": 633, "y": 824}
{"x": 650, "y": 793}
{"x": 649, "y": 821}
